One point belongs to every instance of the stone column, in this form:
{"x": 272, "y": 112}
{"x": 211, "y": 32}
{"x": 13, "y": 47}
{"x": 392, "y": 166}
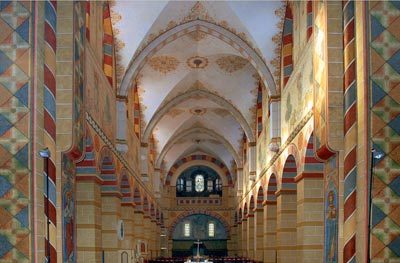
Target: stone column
{"x": 259, "y": 234}
{"x": 127, "y": 215}
{"x": 244, "y": 238}
{"x": 250, "y": 235}
{"x": 310, "y": 218}
{"x": 111, "y": 214}
{"x": 138, "y": 226}
{"x": 270, "y": 232}
{"x": 286, "y": 240}
{"x": 146, "y": 232}
{"x": 88, "y": 217}
{"x": 239, "y": 238}
{"x": 233, "y": 241}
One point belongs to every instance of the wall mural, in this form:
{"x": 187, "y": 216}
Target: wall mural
{"x": 384, "y": 54}
{"x": 68, "y": 166}
{"x": 331, "y": 211}
{"x": 15, "y": 128}
{"x": 297, "y": 97}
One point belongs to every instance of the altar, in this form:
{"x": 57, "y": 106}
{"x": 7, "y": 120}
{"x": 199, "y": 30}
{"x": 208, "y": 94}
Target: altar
{"x": 197, "y": 257}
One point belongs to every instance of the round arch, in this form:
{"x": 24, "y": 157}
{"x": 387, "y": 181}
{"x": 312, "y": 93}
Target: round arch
{"x": 209, "y": 28}
{"x": 177, "y": 136}
{"x": 193, "y": 93}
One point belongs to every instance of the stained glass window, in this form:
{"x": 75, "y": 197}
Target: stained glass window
{"x": 199, "y": 183}
{"x": 218, "y": 184}
{"x": 188, "y": 185}
{"x": 210, "y": 185}
{"x": 179, "y": 185}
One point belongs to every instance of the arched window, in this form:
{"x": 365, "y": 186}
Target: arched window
{"x": 218, "y": 184}
{"x": 211, "y": 229}
{"x": 186, "y": 229}
{"x": 180, "y": 185}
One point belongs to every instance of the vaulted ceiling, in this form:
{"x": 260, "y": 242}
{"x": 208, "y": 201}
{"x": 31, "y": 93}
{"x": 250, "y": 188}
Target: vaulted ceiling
{"x": 197, "y": 66}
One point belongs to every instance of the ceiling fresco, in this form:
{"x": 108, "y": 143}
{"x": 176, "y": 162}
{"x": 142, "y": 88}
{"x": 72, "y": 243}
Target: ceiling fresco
{"x": 197, "y": 89}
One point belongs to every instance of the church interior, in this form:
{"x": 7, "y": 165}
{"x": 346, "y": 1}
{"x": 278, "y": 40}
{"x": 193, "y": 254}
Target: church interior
{"x": 200, "y": 131}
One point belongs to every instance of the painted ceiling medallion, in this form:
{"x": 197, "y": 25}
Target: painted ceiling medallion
{"x": 198, "y": 111}
{"x": 197, "y": 62}
{"x": 231, "y": 63}
{"x": 164, "y": 64}
{"x": 197, "y": 35}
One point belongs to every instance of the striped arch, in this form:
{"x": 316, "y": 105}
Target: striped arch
{"x": 202, "y": 212}
{"x": 259, "y": 110}
{"x": 152, "y": 211}
{"x": 309, "y": 19}
{"x": 126, "y": 191}
{"x": 251, "y": 205}
{"x": 311, "y": 164}
{"x": 137, "y": 200}
{"x": 108, "y": 44}
{"x": 260, "y": 198}
{"x": 245, "y": 211}
{"x": 146, "y": 206}
{"x": 87, "y": 167}
{"x": 287, "y": 45}
{"x": 289, "y": 174}
{"x": 195, "y": 157}
{"x": 107, "y": 172}
{"x": 272, "y": 187}
{"x": 136, "y": 112}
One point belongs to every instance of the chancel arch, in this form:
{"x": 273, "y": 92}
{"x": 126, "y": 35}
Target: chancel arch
{"x": 197, "y": 130}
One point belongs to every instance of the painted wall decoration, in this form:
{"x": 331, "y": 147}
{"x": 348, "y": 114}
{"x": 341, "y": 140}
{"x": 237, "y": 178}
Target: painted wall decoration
{"x": 99, "y": 98}
{"x": 77, "y": 150}
{"x": 108, "y": 44}
{"x": 384, "y": 54}
{"x": 16, "y": 65}
{"x": 297, "y": 99}
{"x": 287, "y": 45}
{"x": 320, "y": 78}
{"x": 331, "y": 212}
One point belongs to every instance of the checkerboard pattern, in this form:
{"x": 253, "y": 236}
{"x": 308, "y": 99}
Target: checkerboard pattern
{"x": 15, "y": 120}
{"x": 384, "y": 17}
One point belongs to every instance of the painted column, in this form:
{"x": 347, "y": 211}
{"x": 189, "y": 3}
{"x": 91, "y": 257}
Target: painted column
{"x": 259, "y": 234}
{"x": 111, "y": 214}
{"x": 310, "y": 218}
{"x": 270, "y": 232}
{"x": 286, "y": 226}
{"x": 49, "y": 122}
{"x": 250, "y": 235}
{"x": 89, "y": 218}
{"x": 350, "y": 133}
